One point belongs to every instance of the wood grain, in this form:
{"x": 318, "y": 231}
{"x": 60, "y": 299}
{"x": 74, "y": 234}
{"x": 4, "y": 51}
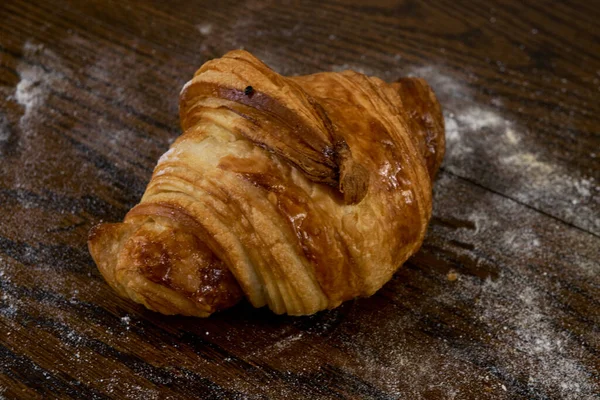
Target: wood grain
{"x": 502, "y": 301}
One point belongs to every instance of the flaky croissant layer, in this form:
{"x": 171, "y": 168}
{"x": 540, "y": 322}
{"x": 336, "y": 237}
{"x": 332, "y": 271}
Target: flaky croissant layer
{"x": 295, "y": 192}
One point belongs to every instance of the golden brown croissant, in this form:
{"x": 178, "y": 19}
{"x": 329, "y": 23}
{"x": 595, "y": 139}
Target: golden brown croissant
{"x": 296, "y": 192}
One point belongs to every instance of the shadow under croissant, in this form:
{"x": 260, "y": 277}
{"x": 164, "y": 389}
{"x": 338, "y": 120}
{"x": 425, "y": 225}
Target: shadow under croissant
{"x": 406, "y": 294}
{"x": 360, "y": 335}
{"x": 406, "y": 304}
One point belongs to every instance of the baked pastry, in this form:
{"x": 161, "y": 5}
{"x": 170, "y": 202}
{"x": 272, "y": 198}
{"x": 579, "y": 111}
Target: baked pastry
{"x": 295, "y": 192}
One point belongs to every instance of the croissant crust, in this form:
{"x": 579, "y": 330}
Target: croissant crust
{"x": 295, "y": 192}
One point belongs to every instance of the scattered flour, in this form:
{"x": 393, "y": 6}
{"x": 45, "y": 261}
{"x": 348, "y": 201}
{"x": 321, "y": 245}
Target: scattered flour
{"x": 545, "y": 352}
{"x": 4, "y": 130}
{"x": 525, "y": 324}
{"x": 487, "y": 145}
{"x": 441, "y": 82}
{"x": 53, "y": 192}
{"x": 530, "y": 162}
{"x": 475, "y": 118}
{"x": 287, "y": 342}
{"x": 205, "y": 28}
{"x": 511, "y": 136}
{"x": 33, "y": 89}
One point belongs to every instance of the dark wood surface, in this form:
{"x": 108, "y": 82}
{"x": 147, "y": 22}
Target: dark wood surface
{"x": 502, "y": 301}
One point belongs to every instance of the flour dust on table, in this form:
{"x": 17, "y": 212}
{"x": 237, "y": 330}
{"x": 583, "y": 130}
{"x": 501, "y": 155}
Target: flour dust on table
{"x": 487, "y": 145}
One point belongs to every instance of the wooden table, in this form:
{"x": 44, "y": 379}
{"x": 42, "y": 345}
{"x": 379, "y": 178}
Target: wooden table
{"x": 502, "y": 301}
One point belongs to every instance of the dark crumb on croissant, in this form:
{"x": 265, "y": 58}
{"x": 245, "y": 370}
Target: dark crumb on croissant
{"x": 249, "y": 91}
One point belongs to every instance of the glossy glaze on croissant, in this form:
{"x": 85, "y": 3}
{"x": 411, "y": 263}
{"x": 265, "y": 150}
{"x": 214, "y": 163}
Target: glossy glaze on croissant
{"x": 295, "y": 192}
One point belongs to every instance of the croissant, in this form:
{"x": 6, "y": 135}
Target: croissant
{"x": 295, "y": 192}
